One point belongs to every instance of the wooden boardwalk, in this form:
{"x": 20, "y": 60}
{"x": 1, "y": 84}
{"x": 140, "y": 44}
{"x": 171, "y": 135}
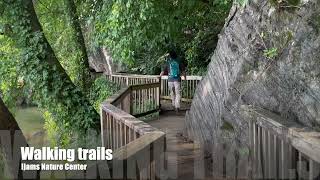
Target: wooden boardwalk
{"x": 127, "y": 127}
{"x": 143, "y": 95}
{"x": 181, "y": 153}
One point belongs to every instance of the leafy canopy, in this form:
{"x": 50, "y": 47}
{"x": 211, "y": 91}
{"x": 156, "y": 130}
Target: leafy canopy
{"x": 139, "y": 32}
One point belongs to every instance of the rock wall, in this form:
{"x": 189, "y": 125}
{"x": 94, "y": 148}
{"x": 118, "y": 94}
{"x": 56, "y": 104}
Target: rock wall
{"x": 268, "y": 55}
{"x": 101, "y": 61}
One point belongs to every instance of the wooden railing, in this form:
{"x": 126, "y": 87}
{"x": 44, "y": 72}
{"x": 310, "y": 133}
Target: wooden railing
{"x": 189, "y": 85}
{"x": 282, "y": 149}
{"x": 129, "y": 137}
{"x": 125, "y": 80}
{"x": 138, "y": 100}
{"x": 145, "y": 99}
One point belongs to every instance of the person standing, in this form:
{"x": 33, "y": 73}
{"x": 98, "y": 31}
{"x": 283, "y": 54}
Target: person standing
{"x": 174, "y": 69}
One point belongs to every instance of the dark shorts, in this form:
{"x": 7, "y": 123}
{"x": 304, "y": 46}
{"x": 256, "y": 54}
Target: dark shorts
{"x": 170, "y": 79}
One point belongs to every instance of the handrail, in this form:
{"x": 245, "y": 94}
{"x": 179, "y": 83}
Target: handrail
{"x": 135, "y": 75}
{"x": 144, "y": 155}
{"x": 188, "y": 78}
{"x": 189, "y": 84}
{"x": 145, "y": 99}
{"x": 128, "y": 136}
{"x": 117, "y": 98}
{"x": 279, "y": 146}
{"x": 188, "y": 87}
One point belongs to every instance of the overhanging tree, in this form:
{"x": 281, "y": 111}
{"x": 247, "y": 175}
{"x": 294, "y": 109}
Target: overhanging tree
{"x": 140, "y": 32}
{"x": 52, "y": 88}
{"x": 84, "y": 79}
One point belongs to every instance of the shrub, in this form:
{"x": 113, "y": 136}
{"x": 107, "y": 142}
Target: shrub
{"x": 101, "y": 90}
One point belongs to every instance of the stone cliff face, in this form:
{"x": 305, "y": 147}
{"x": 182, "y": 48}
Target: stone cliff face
{"x": 268, "y": 55}
{"x": 101, "y": 61}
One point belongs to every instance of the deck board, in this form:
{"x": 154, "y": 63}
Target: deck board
{"x": 180, "y": 152}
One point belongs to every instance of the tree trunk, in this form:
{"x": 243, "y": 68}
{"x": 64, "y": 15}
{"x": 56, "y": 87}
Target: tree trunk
{"x": 84, "y": 68}
{"x": 52, "y": 87}
{"x": 11, "y": 140}
{"x": 7, "y": 121}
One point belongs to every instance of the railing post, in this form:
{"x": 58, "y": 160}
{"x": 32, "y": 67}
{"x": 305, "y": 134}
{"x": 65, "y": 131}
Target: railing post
{"x": 131, "y": 101}
{"x": 251, "y": 151}
{"x": 127, "y": 80}
{"x": 102, "y": 119}
{"x": 159, "y": 93}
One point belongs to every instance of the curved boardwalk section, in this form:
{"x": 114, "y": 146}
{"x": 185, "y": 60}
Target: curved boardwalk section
{"x": 181, "y": 154}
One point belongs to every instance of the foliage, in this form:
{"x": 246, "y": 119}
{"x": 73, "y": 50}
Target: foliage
{"x": 242, "y": 2}
{"x": 139, "y": 32}
{"x": 275, "y": 43}
{"x": 52, "y": 88}
{"x": 83, "y": 70}
{"x": 56, "y": 27}
{"x": 286, "y": 4}
{"x": 227, "y": 126}
{"x": 11, "y": 84}
{"x": 270, "y": 53}
{"x": 101, "y": 90}
{"x": 57, "y": 136}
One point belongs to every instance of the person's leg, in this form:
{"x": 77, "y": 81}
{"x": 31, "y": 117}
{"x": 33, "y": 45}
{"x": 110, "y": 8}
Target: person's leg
{"x": 177, "y": 88}
{"x": 172, "y": 92}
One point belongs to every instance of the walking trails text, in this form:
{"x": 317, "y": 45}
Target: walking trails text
{"x": 55, "y": 154}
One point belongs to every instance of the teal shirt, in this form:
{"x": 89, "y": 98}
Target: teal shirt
{"x": 167, "y": 70}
